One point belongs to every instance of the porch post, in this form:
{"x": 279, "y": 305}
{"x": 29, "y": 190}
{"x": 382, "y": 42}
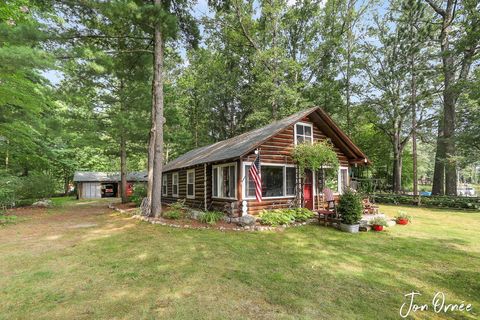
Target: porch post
{"x": 205, "y": 206}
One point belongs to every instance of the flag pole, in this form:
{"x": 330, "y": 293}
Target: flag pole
{"x": 256, "y": 152}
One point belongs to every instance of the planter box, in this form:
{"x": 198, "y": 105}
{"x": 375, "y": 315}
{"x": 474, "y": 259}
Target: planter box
{"x": 351, "y": 228}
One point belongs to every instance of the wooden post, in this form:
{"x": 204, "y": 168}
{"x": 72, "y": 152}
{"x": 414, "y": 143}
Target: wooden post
{"x": 205, "y": 206}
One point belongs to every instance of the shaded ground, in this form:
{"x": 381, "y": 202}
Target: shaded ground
{"x": 80, "y": 260}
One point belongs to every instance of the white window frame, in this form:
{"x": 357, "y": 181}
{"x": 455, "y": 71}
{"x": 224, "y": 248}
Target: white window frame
{"x": 214, "y": 167}
{"x": 244, "y": 180}
{"x": 165, "y": 184}
{"x": 175, "y": 174}
{"x": 339, "y": 179}
{"x": 191, "y": 196}
{"x": 305, "y": 124}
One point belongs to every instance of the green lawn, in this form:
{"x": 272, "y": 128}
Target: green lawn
{"x": 81, "y": 261}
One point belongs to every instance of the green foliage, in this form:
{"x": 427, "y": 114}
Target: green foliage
{"x": 315, "y": 156}
{"x": 178, "y": 205}
{"x": 402, "y": 215}
{"x": 302, "y": 214}
{"x": 378, "y": 221}
{"x": 211, "y": 217}
{"x": 36, "y": 186}
{"x": 285, "y": 216}
{"x": 277, "y": 217}
{"x": 139, "y": 192}
{"x": 8, "y": 186}
{"x": 350, "y": 207}
{"x": 471, "y": 203}
{"x": 4, "y": 219}
{"x": 173, "y": 214}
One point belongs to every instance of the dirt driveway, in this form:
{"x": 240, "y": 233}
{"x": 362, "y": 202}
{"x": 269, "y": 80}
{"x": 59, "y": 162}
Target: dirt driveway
{"x": 39, "y": 228}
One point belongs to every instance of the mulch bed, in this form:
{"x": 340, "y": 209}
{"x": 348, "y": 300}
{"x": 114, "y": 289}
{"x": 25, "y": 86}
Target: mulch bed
{"x": 186, "y": 223}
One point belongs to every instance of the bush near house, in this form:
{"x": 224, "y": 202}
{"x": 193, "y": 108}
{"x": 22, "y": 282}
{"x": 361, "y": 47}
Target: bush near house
{"x": 285, "y": 216}
{"x": 431, "y": 201}
{"x": 350, "y": 207}
{"x": 211, "y": 217}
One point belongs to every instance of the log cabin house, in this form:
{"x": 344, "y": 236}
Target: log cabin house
{"x": 216, "y": 177}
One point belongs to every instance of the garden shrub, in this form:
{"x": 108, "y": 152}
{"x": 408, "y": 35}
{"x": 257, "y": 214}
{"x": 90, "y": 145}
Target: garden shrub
{"x": 302, "y": 214}
{"x": 211, "y": 217}
{"x": 36, "y": 186}
{"x": 285, "y": 216}
{"x": 350, "y": 207}
{"x": 277, "y": 217}
{"x": 178, "y": 205}
{"x": 173, "y": 214}
{"x": 472, "y": 203}
{"x": 139, "y": 192}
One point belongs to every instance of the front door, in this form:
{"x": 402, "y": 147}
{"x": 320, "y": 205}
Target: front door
{"x": 308, "y": 190}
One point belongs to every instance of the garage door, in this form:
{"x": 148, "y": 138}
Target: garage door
{"x": 91, "y": 190}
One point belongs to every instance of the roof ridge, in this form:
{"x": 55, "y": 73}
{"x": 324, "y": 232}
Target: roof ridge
{"x": 230, "y": 142}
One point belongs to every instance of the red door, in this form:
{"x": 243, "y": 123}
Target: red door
{"x": 308, "y": 190}
{"x": 129, "y": 189}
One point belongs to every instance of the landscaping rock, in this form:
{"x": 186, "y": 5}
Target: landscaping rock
{"x": 365, "y": 227}
{"x": 391, "y": 223}
{"x": 43, "y": 203}
{"x": 246, "y": 220}
{"x": 195, "y": 214}
{"x": 228, "y": 219}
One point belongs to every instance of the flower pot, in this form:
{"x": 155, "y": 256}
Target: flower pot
{"x": 402, "y": 221}
{"x": 351, "y": 228}
{"x": 377, "y": 228}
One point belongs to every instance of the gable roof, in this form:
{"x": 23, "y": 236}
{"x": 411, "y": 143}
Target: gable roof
{"x": 243, "y": 144}
{"x": 88, "y": 176}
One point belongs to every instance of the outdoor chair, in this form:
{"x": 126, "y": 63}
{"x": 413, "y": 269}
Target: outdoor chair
{"x": 330, "y": 210}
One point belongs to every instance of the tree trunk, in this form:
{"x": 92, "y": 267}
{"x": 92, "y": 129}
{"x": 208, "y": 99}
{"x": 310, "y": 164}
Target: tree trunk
{"x": 438, "y": 187}
{"x": 151, "y": 150}
{"x": 449, "y": 99}
{"x": 65, "y": 182}
{"x": 449, "y": 123}
{"x": 123, "y": 168}
{"x": 156, "y": 206}
{"x": 414, "y": 126}
{"x": 397, "y": 165}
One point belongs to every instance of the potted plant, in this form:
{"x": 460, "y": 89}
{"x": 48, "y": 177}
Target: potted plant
{"x": 350, "y": 209}
{"x": 402, "y": 218}
{"x": 378, "y": 223}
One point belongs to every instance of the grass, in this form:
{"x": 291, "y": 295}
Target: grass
{"x": 83, "y": 262}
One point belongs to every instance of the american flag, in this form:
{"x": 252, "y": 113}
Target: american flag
{"x": 255, "y": 174}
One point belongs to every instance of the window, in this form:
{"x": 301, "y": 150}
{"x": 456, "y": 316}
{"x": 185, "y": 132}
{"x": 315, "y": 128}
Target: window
{"x": 164, "y": 185}
{"x": 303, "y": 133}
{"x": 277, "y": 181}
{"x": 343, "y": 179}
{"x": 335, "y": 181}
{"x": 175, "y": 184}
{"x": 291, "y": 178}
{"x": 191, "y": 183}
{"x": 224, "y": 181}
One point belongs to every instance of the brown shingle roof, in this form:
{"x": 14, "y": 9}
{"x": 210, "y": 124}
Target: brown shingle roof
{"x": 242, "y": 144}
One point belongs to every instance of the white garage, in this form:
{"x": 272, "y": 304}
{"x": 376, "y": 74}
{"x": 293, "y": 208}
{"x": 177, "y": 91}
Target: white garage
{"x": 96, "y": 185}
{"x": 91, "y": 190}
